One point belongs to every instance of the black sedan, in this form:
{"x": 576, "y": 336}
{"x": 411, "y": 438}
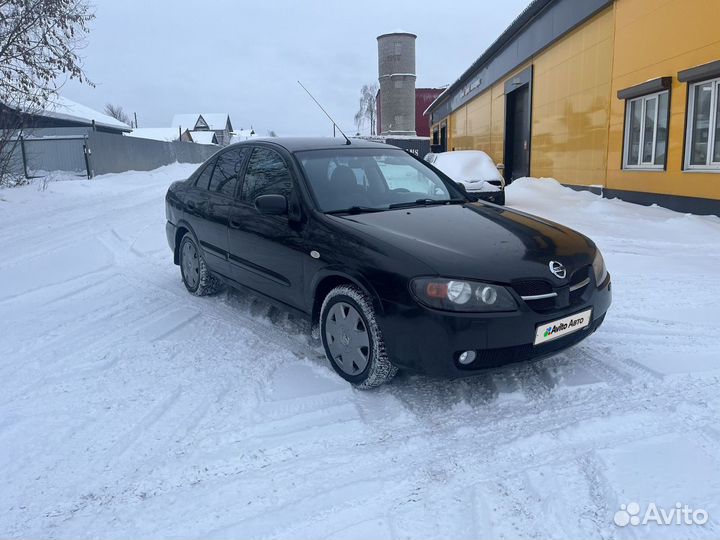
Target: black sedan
{"x": 394, "y": 264}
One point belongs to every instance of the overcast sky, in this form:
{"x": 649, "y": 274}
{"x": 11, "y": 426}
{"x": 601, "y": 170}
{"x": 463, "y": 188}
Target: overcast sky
{"x": 161, "y": 57}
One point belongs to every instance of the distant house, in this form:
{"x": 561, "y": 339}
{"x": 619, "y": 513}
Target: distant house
{"x": 166, "y": 134}
{"x": 61, "y": 116}
{"x": 242, "y": 135}
{"x": 203, "y": 137}
{"x": 219, "y": 123}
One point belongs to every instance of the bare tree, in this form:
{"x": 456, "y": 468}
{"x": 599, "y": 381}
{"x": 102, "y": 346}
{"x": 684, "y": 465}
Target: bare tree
{"x": 271, "y": 133}
{"x": 117, "y": 112}
{"x": 39, "y": 40}
{"x": 11, "y": 160}
{"x": 38, "y": 44}
{"x": 367, "y": 111}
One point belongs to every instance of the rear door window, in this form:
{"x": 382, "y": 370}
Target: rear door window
{"x": 203, "y": 178}
{"x": 266, "y": 174}
{"x": 227, "y": 172}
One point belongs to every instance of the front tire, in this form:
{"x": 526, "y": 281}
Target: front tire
{"x": 196, "y": 276}
{"x": 352, "y": 340}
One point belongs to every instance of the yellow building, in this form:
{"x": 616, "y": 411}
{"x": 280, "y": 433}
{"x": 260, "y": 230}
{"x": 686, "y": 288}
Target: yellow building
{"x": 621, "y": 97}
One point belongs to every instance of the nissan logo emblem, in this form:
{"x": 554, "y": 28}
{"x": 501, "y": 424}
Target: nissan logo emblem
{"x": 557, "y": 269}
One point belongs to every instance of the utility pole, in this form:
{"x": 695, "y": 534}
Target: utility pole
{"x": 135, "y": 115}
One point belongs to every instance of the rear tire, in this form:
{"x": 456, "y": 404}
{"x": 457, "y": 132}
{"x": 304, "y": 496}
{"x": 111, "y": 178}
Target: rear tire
{"x": 352, "y": 340}
{"x": 195, "y": 274}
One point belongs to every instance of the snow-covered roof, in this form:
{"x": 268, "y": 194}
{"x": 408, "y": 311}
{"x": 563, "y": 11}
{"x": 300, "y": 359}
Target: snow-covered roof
{"x": 240, "y": 135}
{"x": 66, "y": 109}
{"x": 185, "y": 121}
{"x": 397, "y": 31}
{"x": 157, "y": 134}
{"x": 214, "y": 121}
{"x": 204, "y": 137}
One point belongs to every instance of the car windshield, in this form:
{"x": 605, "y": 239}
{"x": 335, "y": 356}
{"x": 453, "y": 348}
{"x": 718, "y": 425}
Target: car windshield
{"x": 368, "y": 179}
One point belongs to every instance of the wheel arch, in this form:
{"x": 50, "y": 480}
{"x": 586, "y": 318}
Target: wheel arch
{"x": 326, "y": 281}
{"x": 181, "y": 229}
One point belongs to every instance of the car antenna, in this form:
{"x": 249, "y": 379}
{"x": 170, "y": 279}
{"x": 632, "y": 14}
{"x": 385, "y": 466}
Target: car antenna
{"x": 347, "y": 141}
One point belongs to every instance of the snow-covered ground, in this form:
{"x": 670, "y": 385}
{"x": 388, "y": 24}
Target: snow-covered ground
{"x": 130, "y": 409}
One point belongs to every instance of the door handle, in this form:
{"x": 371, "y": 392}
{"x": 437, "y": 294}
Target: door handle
{"x": 234, "y": 224}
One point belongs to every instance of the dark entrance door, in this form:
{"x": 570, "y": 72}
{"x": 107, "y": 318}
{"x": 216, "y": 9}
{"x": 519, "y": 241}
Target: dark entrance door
{"x": 517, "y": 125}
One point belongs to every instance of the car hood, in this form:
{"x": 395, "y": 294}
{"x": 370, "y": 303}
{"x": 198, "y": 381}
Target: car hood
{"x": 479, "y": 241}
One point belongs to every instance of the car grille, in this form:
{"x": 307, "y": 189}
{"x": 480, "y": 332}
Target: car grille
{"x": 578, "y": 284}
{"x": 555, "y": 297}
{"x": 502, "y": 355}
{"x": 532, "y": 287}
{"x": 536, "y": 287}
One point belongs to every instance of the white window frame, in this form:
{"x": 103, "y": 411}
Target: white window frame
{"x": 709, "y": 165}
{"x": 644, "y": 166}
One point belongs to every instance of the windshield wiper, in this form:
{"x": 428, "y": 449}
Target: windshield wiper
{"x": 426, "y": 202}
{"x": 357, "y": 210}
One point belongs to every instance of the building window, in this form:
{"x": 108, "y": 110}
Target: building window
{"x": 703, "y": 126}
{"x": 646, "y": 131}
{"x": 398, "y": 84}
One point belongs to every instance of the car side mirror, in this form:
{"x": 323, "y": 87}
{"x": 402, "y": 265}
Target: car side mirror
{"x": 470, "y": 196}
{"x": 274, "y": 205}
{"x": 462, "y": 188}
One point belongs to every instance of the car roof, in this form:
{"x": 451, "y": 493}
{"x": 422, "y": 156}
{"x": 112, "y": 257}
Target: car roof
{"x": 299, "y": 144}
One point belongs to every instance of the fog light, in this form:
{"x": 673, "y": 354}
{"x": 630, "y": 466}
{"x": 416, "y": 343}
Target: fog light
{"x": 467, "y": 357}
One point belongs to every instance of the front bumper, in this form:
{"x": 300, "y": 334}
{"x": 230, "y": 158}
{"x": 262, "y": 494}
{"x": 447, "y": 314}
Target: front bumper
{"x": 430, "y": 341}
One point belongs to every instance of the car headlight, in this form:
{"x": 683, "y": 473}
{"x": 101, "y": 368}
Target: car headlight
{"x": 462, "y": 295}
{"x": 599, "y": 268}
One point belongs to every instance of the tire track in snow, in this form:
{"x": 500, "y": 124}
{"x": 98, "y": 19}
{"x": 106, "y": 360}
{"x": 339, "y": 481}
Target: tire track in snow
{"x": 129, "y": 437}
{"x": 221, "y": 310}
{"x": 601, "y": 492}
{"x": 25, "y": 242}
{"x": 85, "y": 346}
{"x": 493, "y": 450}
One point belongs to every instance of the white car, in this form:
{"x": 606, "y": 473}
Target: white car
{"x": 473, "y": 169}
